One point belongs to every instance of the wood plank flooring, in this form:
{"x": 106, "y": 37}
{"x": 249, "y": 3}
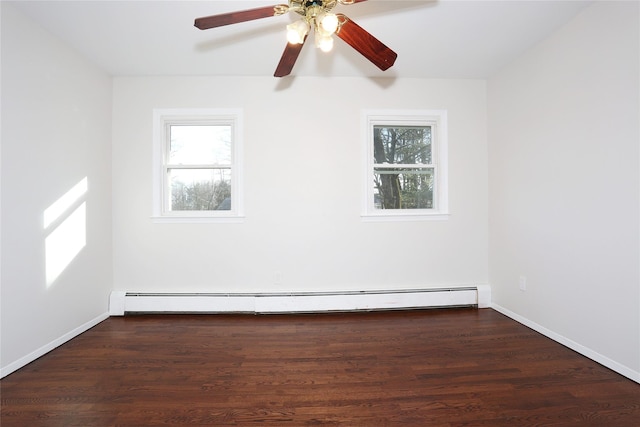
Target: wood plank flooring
{"x": 451, "y": 367}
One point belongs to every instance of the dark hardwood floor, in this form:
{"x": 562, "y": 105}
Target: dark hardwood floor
{"x": 451, "y": 367}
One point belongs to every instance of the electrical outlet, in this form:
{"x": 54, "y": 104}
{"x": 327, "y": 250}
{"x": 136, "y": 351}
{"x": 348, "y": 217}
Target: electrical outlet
{"x": 277, "y": 277}
{"x": 522, "y": 283}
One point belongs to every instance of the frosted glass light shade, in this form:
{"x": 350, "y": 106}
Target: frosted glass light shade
{"x": 297, "y": 31}
{"x": 325, "y": 43}
{"x": 329, "y": 23}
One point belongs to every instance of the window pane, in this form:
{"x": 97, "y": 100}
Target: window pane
{"x": 402, "y": 144}
{"x": 403, "y": 188}
{"x": 197, "y": 145}
{"x": 200, "y": 189}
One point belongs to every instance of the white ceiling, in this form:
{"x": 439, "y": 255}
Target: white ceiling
{"x": 433, "y": 39}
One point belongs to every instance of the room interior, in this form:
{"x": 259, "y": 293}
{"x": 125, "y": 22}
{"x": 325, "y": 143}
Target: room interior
{"x": 543, "y": 105}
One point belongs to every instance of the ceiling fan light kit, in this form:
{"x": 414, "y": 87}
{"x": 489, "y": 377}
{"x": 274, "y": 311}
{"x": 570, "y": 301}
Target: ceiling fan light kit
{"x": 316, "y": 14}
{"x": 297, "y": 32}
{"x": 329, "y": 23}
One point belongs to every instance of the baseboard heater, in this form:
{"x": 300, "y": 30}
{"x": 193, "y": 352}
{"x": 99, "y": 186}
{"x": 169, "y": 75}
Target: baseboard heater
{"x": 122, "y": 302}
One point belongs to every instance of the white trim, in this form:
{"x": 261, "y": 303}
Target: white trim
{"x": 484, "y": 296}
{"x": 585, "y": 351}
{"x": 116, "y": 303}
{"x": 295, "y": 302}
{"x": 23, "y": 361}
{"x": 440, "y": 155}
{"x": 233, "y": 116}
{"x": 394, "y": 217}
{"x": 193, "y": 219}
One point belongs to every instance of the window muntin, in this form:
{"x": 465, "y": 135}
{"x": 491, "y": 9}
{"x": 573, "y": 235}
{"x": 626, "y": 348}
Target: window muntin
{"x": 406, "y": 165}
{"x": 198, "y": 164}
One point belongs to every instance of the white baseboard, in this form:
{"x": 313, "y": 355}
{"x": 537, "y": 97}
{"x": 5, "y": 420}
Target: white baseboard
{"x": 298, "y": 302}
{"x": 23, "y": 361}
{"x": 585, "y": 351}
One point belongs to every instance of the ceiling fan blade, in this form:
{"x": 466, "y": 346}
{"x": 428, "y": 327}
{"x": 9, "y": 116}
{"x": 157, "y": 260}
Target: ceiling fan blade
{"x": 214, "y": 21}
{"x": 362, "y": 41}
{"x": 288, "y": 59}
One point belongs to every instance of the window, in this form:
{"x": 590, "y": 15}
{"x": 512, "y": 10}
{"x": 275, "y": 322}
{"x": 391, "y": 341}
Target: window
{"x": 406, "y": 165}
{"x": 197, "y": 165}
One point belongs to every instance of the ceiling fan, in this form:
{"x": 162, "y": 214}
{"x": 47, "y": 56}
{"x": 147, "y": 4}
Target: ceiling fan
{"x": 316, "y": 15}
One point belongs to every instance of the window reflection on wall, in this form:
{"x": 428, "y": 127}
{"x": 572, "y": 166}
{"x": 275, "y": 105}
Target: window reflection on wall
{"x": 65, "y": 225}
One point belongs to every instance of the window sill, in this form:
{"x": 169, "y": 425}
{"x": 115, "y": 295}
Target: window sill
{"x": 399, "y": 217}
{"x": 197, "y": 219}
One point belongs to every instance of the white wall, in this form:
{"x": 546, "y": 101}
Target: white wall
{"x": 303, "y": 181}
{"x": 564, "y": 185}
{"x": 563, "y": 205}
{"x": 56, "y": 117}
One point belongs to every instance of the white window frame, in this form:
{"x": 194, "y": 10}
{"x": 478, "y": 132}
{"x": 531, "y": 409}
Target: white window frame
{"x": 437, "y": 119}
{"x": 162, "y": 120}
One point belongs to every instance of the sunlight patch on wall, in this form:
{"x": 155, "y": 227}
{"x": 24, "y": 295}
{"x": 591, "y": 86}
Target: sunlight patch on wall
{"x": 55, "y": 211}
{"x": 67, "y": 232}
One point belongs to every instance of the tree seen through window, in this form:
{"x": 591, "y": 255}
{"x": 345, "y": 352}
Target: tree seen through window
{"x": 403, "y": 167}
